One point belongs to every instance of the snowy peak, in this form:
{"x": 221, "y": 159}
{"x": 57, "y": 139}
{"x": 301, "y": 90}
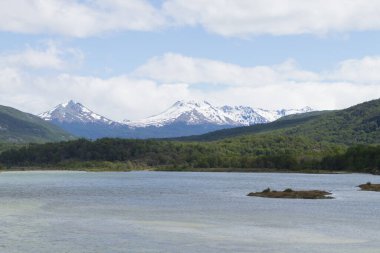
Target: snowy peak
{"x": 74, "y": 112}
{"x": 285, "y": 112}
{"x": 191, "y": 113}
{"x": 244, "y": 115}
{"x": 202, "y": 112}
{"x": 250, "y": 116}
{"x": 188, "y": 112}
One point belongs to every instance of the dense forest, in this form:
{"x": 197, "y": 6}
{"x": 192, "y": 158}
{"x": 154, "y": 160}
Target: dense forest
{"x": 361, "y": 158}
{"x": 266, "y": 151}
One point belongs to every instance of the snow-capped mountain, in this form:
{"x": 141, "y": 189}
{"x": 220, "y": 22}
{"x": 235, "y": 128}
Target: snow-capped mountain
{"x": 284, "y": 112}
{"x": 80, "y": 121}
{"x": 74, "y": 112}
{"x": 202, "y": 112}
{"x": 250, "y": 116}
{"x": 188, "y": 112}
{"x": 244, "y": 115}
{"x": 181, "y": 119}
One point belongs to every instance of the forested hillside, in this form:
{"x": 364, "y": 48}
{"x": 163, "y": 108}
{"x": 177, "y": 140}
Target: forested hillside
{"x": 358, "y": 124}
{"x": 18, "y": 127}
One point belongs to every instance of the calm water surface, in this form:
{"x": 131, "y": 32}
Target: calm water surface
{"x": 77, "y": 212}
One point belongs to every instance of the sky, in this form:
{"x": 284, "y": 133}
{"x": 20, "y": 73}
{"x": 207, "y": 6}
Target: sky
{"x": 130, "y": 59}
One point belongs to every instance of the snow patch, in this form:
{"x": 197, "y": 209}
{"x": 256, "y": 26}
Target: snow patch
{"x": 74, "y": 112}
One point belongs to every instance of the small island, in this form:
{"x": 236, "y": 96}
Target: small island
{"x": 370, "y": 187}
{"x": 291, "y": 194}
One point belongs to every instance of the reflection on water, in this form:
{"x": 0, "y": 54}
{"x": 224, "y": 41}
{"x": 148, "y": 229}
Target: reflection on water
{"x": 184, "y": 212}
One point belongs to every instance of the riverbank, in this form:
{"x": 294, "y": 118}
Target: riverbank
{"x": 125, "y": 167}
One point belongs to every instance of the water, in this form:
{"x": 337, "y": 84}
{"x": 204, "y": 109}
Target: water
{"x": 184, "y": 212}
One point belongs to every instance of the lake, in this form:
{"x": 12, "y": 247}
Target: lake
{"x": 77, "y": 212}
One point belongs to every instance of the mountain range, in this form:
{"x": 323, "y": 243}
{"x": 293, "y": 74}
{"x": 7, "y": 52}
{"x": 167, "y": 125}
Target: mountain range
{"x": 312, "y": 140}
{"x": 183, "y": 118}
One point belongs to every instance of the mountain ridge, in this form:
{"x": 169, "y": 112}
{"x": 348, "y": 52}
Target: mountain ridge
{"x": 198, "y": 112}
{"x": 183, "y": 118}
{"x": 73, "y": 111}
{"x": 358, "y": 124}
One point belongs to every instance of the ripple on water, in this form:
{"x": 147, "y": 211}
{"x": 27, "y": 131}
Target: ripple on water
{"x": 184, "y": 212}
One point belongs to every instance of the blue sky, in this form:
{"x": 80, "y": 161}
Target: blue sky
{"x": 131, "y": 59}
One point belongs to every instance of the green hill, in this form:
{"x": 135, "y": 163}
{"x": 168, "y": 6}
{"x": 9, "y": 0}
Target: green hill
{"x": 17, "y": 127}
{"x": 359, "y": 124}
{"x": 283, "y": 123}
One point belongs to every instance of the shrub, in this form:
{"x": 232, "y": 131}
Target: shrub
{"x": 288, "y": 190}
{"x": 266, "y": 190}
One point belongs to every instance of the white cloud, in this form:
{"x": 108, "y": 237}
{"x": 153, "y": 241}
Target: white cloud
{"x": 278, "y": 86}
{"x": 318, "y": 95}
{"x": 277, "y": 17}
{"x": 50, "y": 56}
{"x": 178, "y": 68}
{"x": 77, "y": 18}
{"x": 163, "y": 80}
{"x": 232, "y": 18}
{"x": 365, "y": 70}
{"x": 119, "y": 97}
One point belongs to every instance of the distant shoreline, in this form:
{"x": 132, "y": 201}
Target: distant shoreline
{"x": 209, "y": 170}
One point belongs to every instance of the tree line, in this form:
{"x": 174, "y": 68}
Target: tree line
{"x": 266, "y": 151}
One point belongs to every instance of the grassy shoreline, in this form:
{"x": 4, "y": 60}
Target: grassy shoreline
{"x": 124, "y": 167}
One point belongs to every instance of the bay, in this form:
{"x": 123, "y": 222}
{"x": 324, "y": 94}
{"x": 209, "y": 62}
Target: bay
{"x": 184, "y": 212}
